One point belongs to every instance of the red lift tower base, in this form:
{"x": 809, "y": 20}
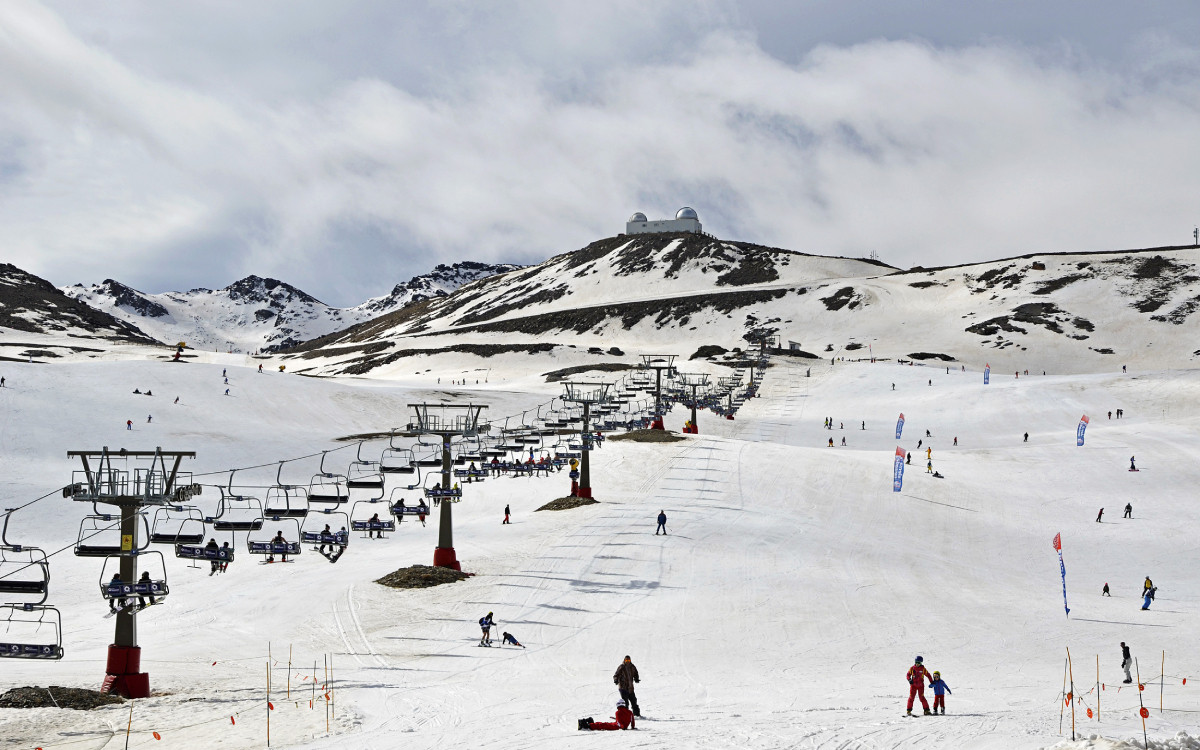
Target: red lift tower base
{"x": 122, "y": 676}
{"x": 444, "y": 557}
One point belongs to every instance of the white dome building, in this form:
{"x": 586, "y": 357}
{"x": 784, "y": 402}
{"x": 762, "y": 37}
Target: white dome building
{"x": 686, "y": 220}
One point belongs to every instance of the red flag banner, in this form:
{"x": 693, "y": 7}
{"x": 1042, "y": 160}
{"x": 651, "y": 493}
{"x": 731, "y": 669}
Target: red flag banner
{"x": 1058, "y": 542}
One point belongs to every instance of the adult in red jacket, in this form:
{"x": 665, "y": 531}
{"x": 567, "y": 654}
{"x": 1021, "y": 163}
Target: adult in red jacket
{"x": 624, "y": 719}
{"x": 917, "y": 674}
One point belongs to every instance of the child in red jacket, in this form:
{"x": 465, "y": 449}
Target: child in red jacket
{"x": 624, "y": 720}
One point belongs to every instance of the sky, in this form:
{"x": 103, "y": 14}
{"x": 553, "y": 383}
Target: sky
{"x": 344, "y": 147}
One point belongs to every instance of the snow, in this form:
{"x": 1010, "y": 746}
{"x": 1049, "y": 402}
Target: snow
{"x": 782, "y": 610}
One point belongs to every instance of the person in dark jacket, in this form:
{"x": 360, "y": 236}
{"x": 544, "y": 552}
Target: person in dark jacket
{"x": 624, "y": 678}
{"x": 216, "y": 563}
{"x": 662, "y": 523}
{"x": 1126, "y": 663}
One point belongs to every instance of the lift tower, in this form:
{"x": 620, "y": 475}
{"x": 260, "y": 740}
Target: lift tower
{"x": 694, "y": 380}
{"x": 447, "y": 421}
{"x": 586, "y": 394}
{"x": 132, "y": 492}
{"x": 658, "y": 363}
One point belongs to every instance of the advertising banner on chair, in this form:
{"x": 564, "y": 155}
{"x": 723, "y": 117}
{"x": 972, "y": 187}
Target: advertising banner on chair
{"x": 1083, "y": 423}
{"x": 898, "y": 471}
{"x": 900, "y": 425}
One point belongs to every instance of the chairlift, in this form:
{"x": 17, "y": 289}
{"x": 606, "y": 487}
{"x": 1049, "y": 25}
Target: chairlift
{"x": 237, "y": 512}
{"x": 271, "y": 539}
{"x": 285, "y": 500}
{"x": 396, "y": 460}
{"x": 363, "y": 474}
{"x": 24, "y": 637}
{"x": 337, "y": 541}
{"x": 327, "y": 487}
{"x": 222, "y": 554}
{"x": 177, "y": 524}
{"x": 109, "y": 527}
{"x": 24, "y": 570}
{"x": 371, "y": 523}
{"x": 399, "y": 509}
{"x": 148, "y": 586}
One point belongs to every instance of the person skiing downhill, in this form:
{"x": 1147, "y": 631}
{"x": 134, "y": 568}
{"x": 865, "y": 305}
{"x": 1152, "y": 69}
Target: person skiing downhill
{"x": 917, "y": 674}
{"x": 1126, "y": 662}
{"x": 940, "y": 688}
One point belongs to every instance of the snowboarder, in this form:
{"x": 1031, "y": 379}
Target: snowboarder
{"x": 216, "y": 563}
{"x": 506, "y": 512}
{"x": 864, "y": 425}
{"x": 260, "y": 369}
{"x": 177, "y": 399}
{"x": 919, "y": 442}
{"x": 908, "y": 459}
{"x": 129, "y": 424}
{"x": 373, "y": 527}
{"x": 508, "y": 638}
{"x": 222, "y": 372}
{"x": 116, "y": 604}
{"x": 1104, "y": 591}
{"x": 1147, "y": 586}
{"x": 830, "y": 442}
{"x": 662, "y": 523}
{"x": 226, "y": 391}
{"x": 1, "y": 382}
{"x": 1098, "y": 515}
{"x": 917, "y": 674}
{"x": 624, "y": 678}
{"x": 137, "y": 391}
{"x": 940, "y": 689}
{"x": 485, "y": 624}
{"x": 1132, "y": 465}
{"x": 1128, "y": 510}
{"x": 938, "y": 475}
{"x": 622, "y": 720}
{"x": 927, "y": 434}
{"x": 1147, "y": 599}
{"x": 1126, "y": 662}
{"x": 278, "y": 539}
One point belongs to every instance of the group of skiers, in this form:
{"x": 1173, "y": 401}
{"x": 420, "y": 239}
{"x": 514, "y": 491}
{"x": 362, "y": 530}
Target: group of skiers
{"x": 917, "y": 675}
{"x": 486, "y": 623}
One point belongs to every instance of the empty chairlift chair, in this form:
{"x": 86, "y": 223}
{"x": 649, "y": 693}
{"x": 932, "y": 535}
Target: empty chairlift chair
{"x": 285, "y": 500}
{"x": 30, "y": 631}
{"x": 365, "y": 475}
{"x": 237, "y": 513}
{"x": 327, "y": 488}
{"x": 177, "y": 524}
{"x": 24, "y": 571}
{"x": 100, "y": 536}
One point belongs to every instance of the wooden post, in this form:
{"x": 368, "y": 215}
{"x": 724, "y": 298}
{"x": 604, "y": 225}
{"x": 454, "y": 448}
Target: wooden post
{"x": 129, "y": 727}
{"x": 1071, "y": 671}
{"x": 1098, "y": 688}
{"x": 268, "y": 697}
{"x": 312, "y": 701}
{"x": 332, "y": 695}
{"x": 1141, "y": 706}
{"x": 1063, "y": 706}
{"x": 289, "y": 680}
{"x": 326, "y": 692}
{"x": 1161, "y": 679}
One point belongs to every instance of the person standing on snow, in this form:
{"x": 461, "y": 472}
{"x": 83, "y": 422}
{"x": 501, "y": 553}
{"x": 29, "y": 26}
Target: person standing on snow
{"x": 1104, "y": 591}
{"x": 940, "y": 689}
{"x": 485, "y": 624}
{"x": 506, "y": 512}
{"x": 1126, "y": 662}
{"x": 1147, "y": 586}
{"x": 917, "y": 674}
{"x": 129, "y": 424}
{"x": 1098, "y": 515}
{"x": 662, "y": 523}
{"x": 1128, "y": 510}
{"x": 1132, "y": 465}
{"x": 624, "y": 678}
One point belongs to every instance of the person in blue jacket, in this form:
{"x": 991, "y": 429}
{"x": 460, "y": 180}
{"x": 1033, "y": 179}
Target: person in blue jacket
{"x": 940, "y": 688}
{"x": 662, "y": 523}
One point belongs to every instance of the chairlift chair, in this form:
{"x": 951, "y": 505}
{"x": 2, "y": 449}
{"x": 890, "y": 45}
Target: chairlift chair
{"x": 399, "y": 509}
{"x": 338, "y": 540}
{"x": 363, "y": 474}
{"x": 23, "y": 636}
{"x": 360, "y": 523}
{"x": 109, "y": 527}
{"x": 327, "y": 488}
{"x": 264, "y": 541}
{"x": 24, "y": 570}
{"x": 237, "y": 513}
{"x": 177, "y": 524}
{"x": 147, "y": 586}
{"x": 202, "y": 552}
{"x": 397, "y": 461}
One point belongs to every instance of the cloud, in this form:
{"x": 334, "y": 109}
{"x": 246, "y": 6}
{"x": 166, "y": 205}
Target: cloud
{"x": 926, "y": 155}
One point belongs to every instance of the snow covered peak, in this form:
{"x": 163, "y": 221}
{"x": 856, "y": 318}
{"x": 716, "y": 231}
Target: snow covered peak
{"x": 439, "y": 282}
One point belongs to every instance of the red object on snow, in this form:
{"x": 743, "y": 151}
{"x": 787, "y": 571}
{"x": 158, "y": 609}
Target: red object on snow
{"x": 121, "y": 673}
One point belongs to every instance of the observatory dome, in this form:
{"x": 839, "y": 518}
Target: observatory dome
{"x": 687, "y": 212}
{"x": 637, "y": 216}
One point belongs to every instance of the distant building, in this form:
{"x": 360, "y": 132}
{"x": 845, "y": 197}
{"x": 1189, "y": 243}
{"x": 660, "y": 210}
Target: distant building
{"x": 685, "y": 220}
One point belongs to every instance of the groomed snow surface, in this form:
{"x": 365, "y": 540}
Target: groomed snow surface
{"x": 782, "y": 611}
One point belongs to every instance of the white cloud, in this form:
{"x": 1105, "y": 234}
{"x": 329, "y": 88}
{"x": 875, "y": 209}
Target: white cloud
{"x": 926, "y": 155}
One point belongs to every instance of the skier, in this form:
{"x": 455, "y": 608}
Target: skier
{"x": 919, "y": 442}
{"x": 226, "y": 391}
{"x": 1104, "y": 592}
{"x": 830, "y": 442}
{"x": 622, "y": 720}
{"x": 940, "y": 688}
{"x": 917, "y": 674}
{"x": 485, "y": 624}
{"x": 956, "y": 440}
{"x": 843, "y": 441}
{"x": 864, "y": 425}
{"x": 149, "y": 417}
{"x": 1110, "y": 415}
{"x": 1128, "y": 510}
{"x": 177, "y": 399}
{"x": 929, "y": 467}
{"x": 278, "y": 539}
{"x": 145, "y": 579}
{"x": 506, "y": 512}
{"x": 225, "y": 562}
{"x": 908, "y": 459}
{"x": 927, "y": 434}
{"x": 216, "y": 564}
{"x": 1132, "y": 465}
{"x": 1126, "y": 662}
{"x": 422, "y": 511}
{"x": 1027, "y": 437}
{"x": 1101, "y": 513}
{"x": 508, "y": 638}
{"x": 222, "y": 372}
{"x": 1146, "y": 599}
{"x": 893, "y": 386}
{"x": 662, "y": 523}
{"x": 624, "y": 678}
{"x": 129, "y": 424}
{"x": 1, "y": 382}
{"x": 260, "y": 369}
{"x": 928, "y": 453}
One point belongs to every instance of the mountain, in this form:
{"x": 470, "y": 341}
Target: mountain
{"x": 258, "y": 313}
{"x": 678, "y": 292}
{"x": 32, "y": 305}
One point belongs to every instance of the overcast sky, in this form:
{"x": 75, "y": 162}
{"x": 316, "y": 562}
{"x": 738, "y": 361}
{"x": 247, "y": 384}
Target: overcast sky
{"x": 345, "y": 146}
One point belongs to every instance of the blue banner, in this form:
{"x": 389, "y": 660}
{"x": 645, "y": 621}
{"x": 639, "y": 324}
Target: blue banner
{"x": 1062, "y": 567}
{"x": 900, "y": 425}
{"x": 898, "y": 477}
{"x": 1083, "y": 423}
{"x": 987, "y": 373}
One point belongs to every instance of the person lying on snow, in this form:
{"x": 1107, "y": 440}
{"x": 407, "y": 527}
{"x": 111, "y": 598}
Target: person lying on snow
{"x": 624, "y": 720}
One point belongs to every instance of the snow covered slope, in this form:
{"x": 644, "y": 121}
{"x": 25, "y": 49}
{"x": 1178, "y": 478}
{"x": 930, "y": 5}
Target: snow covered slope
{"x": 261, "y": 314}
{"x": 782, "y": 610}
{"x": 1076, "y": 312}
